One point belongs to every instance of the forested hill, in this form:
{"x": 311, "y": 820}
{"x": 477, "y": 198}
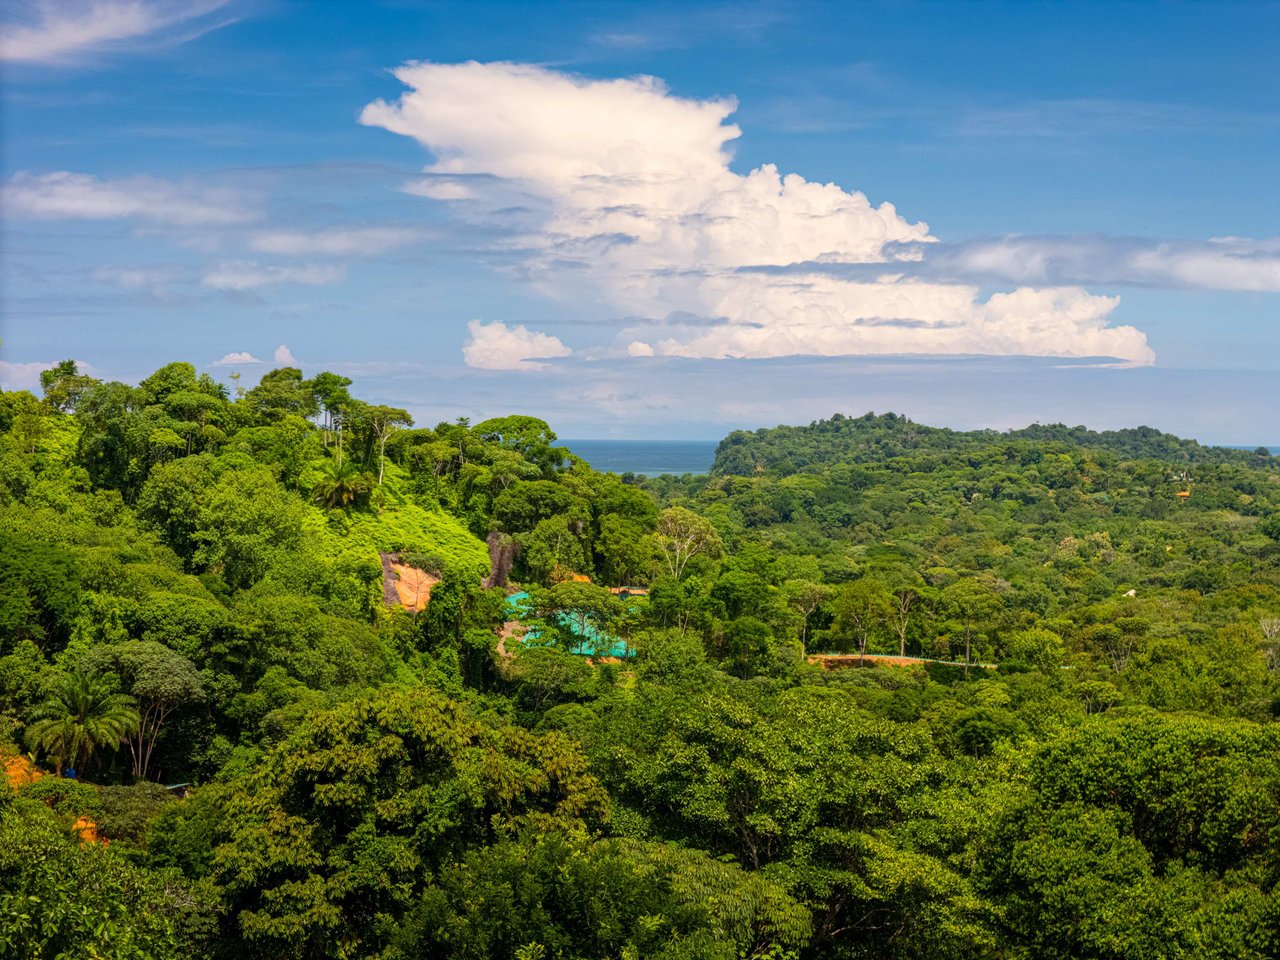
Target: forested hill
{"x": 446, "y": 691}
{"x": 872, "y": 438}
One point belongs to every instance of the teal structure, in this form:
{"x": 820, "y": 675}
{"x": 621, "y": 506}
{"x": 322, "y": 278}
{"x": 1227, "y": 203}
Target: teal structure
{"x": 592, "y": 642}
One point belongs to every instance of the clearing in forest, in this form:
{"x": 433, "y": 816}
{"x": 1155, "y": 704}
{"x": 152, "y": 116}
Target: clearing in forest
{"x": 408, "y": 586}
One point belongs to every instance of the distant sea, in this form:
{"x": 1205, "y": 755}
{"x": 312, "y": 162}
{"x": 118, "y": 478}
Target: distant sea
{"x": 1275, "y": 451}
{"x": 647, "y": 457}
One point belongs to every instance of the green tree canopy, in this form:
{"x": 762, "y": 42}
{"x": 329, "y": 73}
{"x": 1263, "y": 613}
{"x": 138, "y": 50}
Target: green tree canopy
{"x": 160, "y": 681}
{"x": 83, "y": 713}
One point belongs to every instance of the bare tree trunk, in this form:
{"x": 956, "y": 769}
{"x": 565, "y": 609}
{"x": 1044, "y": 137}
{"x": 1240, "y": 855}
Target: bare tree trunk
{"x": 903, "y": 619}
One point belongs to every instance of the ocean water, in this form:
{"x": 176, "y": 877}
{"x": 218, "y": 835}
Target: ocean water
{"x": 1275, "y": 451}
{"x": 647, "y": 457}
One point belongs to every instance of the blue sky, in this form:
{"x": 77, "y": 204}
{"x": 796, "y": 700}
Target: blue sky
{"x": 658, "y": 220}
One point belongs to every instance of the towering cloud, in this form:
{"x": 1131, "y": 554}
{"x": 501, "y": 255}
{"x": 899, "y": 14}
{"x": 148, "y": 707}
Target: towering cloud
{"x": 633, "y": 196}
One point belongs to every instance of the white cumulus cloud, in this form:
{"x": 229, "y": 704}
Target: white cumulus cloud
{"x": 241, "y": 276}
{"x": 237, "y": 359}
{"x": 77, "y": 196}
{"x": 495, "y": 346}
{"x": 284, "y": 356}
{"x": 641, "y": 208}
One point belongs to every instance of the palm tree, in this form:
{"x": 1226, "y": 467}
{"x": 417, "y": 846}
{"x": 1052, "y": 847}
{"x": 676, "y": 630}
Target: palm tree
{"x": 83, "y": 713}
{"x": 342, "y": 486}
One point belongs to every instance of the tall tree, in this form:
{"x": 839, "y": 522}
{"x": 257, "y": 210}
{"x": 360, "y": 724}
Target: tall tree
{"x": 384, "y": 421}
{"x": 83, "y": 713}
{"x": 362, "y": 807}
{"x": 972, "y": 605}
{"x": 905, "y": 597}
{"x": 280, "y": 393}
{"x": 161, "y": 682}
{"x": 330, "y": 390}
{"x": 860, "y": 609}
{"x": 805, "y": 597}
{"x": 683, "y": 535}
{"x": 106, "y": 412}
{"x": 532, "y": 438}
{"x": 64, "y": 385}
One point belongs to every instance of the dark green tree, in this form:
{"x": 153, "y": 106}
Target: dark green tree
{"x": 84, "y": 712}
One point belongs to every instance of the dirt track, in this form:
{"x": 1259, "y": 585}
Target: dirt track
{"x": 837, "y": 660}
{"x": 512, "y": 628}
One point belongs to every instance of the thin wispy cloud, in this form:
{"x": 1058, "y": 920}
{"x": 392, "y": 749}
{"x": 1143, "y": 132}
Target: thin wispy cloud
{"x": 161, "y": 285}
{"x": 636, "y": 204}
{"x": 1098, "y": 116}
{"x": 63, "y": 195}
{"x": 1226, "y": 263}
{"x": 68, "y": 31}
{"x": 135, "y": 278}
{"x": 335, "y": 241}
{"x": 693, "y": 25}
{"x": 242, "y": 276}
{"x": 439, "y": 189}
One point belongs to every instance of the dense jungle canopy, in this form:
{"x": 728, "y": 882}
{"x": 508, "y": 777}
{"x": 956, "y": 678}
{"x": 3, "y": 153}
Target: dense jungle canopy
{"x": 1076, "y": 754}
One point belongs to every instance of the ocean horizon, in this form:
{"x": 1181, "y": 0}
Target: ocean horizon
{"x": 648, "y": 458}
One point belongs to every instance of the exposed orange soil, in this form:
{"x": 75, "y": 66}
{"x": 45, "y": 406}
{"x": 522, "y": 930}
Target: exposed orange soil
{"x": 413, "y": 586}
{"x": 21, "y": 772}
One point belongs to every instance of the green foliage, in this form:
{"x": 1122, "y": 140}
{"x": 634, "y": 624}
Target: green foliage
{"x": 279, "y": 394}
{"x": 236, "y": 519}
{"x": 160, "y": 682}
{"x": 552, "y": 549}
{"x": 409, "y": 528}
{"x": 345, "y": 820}
{"x": 341, "y": 486}
{"x": 527, "y": 436}
{"x": 39, "y": 592}
{"x": 83, "y": 713}
{"x": 1075, "y": 758}
{"x": 62, "y": 898}
{"x": 551, "y": 895}
{"x": 64, "y": 385}
{"x": 124, "y": 814}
